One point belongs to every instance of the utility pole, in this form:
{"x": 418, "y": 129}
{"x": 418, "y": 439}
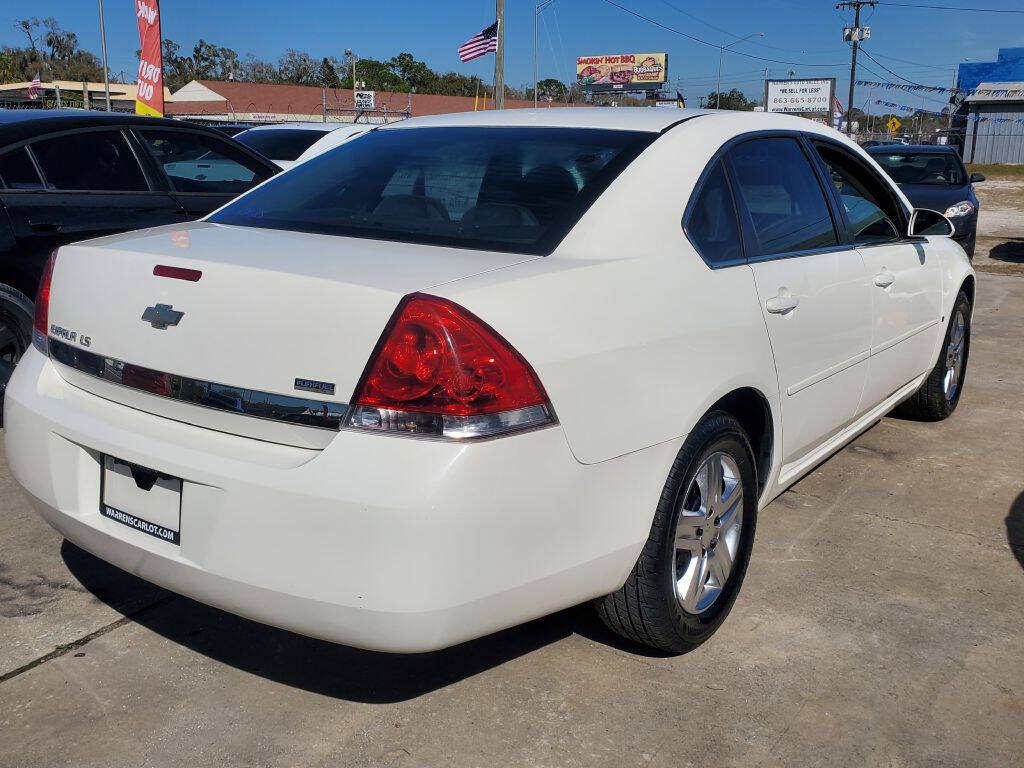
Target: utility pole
{"x": 499, "y": 57}
{"x": 856, "y": 35}
{"x": 103, "y": 46}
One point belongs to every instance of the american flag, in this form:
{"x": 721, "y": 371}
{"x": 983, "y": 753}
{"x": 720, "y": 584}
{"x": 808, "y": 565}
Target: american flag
{"x": 33, "y": 87}
{"x": 837, "y": 106}
{"x": 478, "y": 45}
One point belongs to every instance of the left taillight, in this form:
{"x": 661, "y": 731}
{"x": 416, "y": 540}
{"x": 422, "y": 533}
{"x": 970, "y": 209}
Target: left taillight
{"x": 440, "y": 371}
{"x": 41, "y": 323}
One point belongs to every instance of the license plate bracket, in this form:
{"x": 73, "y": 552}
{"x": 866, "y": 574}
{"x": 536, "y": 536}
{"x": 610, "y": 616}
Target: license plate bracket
{"x": 141, "y": 498}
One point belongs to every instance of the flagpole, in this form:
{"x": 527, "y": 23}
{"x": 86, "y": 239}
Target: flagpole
{"x": 499, "y": 57}
{"x": 103, "y": 46}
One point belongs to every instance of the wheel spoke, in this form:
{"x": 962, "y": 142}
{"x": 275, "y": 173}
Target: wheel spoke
{"x": 693, "y": 584}
{"x": 687, "y": 527}
{"x": 720, "y": 564}
{"x": 713, "y": 499}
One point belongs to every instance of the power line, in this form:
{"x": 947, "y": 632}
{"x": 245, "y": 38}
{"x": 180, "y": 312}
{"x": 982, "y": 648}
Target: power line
{"x": 733, "y": 34}
{"x": 900, "y": 77}
{"x": 675, "y": 31}
{"x": 952, "y": 8}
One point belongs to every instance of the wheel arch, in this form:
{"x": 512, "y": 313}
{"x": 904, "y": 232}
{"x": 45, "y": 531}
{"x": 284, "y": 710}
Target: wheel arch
{"x": 751, "y": 409}
{"x": 967, "y": 286}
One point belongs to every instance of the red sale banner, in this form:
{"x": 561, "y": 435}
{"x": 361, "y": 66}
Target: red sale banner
{"x": 149, "y": 100}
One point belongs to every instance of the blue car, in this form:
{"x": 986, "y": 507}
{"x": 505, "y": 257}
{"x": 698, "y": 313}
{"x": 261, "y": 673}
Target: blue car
{"x": 934, "y": 177}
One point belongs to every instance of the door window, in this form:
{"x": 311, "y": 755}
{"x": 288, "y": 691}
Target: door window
{"x": 871, "y": 213}
{"x": 712, "y": 224}
{"x": 94, "y": 161}
{"x": 17, "y": 171}
{"x": 781, "y": 192}
{"x": 198, "y": 163}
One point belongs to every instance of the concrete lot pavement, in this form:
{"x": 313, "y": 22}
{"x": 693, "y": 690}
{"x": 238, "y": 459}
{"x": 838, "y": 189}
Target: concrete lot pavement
{"x": 881, "y": 624}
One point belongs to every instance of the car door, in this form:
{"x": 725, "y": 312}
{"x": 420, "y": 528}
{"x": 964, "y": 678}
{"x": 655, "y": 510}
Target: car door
{"x": 76, "y": 185}
{"x": 203, "y": 170}
{"x": 906, "y": 281}
{"x": 813, "y": 289}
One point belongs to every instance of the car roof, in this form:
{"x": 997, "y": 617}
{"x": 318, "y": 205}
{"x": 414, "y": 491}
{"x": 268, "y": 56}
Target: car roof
{"x": 19, "y": 124}
{"x": 325, "y": 127}
{"x": 914, "y": 149}
{"x": 612, "y": 118}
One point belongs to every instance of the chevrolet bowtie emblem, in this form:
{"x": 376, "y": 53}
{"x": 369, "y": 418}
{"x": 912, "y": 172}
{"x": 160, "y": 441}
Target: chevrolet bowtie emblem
{"x": 162, "y": 315}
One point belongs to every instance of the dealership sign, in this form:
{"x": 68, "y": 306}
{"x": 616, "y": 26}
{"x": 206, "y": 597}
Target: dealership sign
{"x": 149, "y": 97}
{"x": 622, "y": 72}
{"x": 800, "y": 96}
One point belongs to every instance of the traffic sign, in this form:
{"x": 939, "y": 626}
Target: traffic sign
{"x": 893, "y": 125}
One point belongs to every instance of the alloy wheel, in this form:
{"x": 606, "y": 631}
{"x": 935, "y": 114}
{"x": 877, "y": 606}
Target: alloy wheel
{"x": 707, "y": 534}
{"x": 955, "y": 357}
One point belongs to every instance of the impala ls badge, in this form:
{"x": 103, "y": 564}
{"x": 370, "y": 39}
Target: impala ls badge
{"x": 162, "y": 315}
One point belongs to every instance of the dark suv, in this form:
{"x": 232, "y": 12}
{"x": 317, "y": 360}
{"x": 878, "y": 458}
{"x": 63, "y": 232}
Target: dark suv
{"x": 67, "y": 175}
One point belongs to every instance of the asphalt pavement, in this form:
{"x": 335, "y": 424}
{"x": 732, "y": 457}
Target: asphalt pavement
{"x": 881, "y": 624}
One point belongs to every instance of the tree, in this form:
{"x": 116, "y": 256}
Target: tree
{"x": 734, "y": 99}
{"x": 52, "y": 53}
{"x": 550, "y": 89}
{"x": 377, "y": 75}
{"x": 253, "y": 70}
{"x": 414, "y": 73}
{"x": 297, "y": 67}
{"x": 327, "y": 75}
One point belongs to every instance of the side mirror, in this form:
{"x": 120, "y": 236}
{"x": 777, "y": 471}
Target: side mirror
{"x": 926, "y": 222}
{"x": 976, "y": 177}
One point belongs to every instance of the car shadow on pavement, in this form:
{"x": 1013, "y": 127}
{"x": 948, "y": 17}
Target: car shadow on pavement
{"x": 1015, "y": 528}
{"x": 322, "y": 667}
{"x": 1011, "y": 251}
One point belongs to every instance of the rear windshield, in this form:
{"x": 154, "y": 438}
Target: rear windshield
{"x": 280, "y": 143}
{"x": 922, "y": 167}
{"x": 493, "y": 188}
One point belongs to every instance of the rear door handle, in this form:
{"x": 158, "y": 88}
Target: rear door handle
{"x": 885, "y": 278}
{"x": 42, "y": 226}
{"x": 782, "y": 303}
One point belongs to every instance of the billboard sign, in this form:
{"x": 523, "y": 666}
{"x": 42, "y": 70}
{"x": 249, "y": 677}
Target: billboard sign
{"x": 149, "y": 96}
{"x": 622, "y": 72}
{"x": 800, "y": 96}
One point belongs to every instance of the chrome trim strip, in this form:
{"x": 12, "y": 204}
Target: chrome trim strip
{"x": 304, "y": 411}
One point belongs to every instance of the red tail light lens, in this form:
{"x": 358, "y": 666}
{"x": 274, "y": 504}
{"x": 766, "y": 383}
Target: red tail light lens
{"x": 41, "y": 323}
{"x": 440, "y": 370}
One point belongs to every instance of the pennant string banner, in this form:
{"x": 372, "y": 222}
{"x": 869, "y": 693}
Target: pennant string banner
{"x": 973, "y": 118}
{"x": 1004, "y": 92}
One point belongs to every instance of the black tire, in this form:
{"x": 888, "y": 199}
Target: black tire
{"x": 645, "y": 609}
{"x": 16, "y": 316}
{"x": 930, "y": 402}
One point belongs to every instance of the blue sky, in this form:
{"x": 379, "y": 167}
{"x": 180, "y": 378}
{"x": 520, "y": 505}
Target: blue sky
{"x": 801, "y": 33}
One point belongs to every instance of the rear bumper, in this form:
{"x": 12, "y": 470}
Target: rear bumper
{"x": 379, "y": 542}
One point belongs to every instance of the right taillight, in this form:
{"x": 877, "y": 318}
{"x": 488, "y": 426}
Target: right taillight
{"x": 441, "y": 371}
{"x": 41, "y": 323}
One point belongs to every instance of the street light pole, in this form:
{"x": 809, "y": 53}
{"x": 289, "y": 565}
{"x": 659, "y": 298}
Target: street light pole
{"x": 103, "y": 46}
{"x": 721, "y": 55}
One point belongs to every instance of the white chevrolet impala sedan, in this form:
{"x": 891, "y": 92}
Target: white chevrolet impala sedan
{"x": 464, "y": 371}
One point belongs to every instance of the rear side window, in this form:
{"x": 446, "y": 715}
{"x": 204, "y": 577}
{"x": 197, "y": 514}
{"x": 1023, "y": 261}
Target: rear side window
{"x": 17, "y": 171}
{"x": 200, "y": 163}
{"x": 95, "y": 161}
{"x": 781, "y": 192}
{"x": 712, "y": 224}
{"x": 280, "y": 143}
{"x": 517, "y": 189}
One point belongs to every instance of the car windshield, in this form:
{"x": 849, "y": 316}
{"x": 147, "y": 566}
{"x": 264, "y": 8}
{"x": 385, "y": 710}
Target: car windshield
{"x": 517, "y": 189}
{"x": 280, "y": 143}
{"x": 922, "y": 167}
